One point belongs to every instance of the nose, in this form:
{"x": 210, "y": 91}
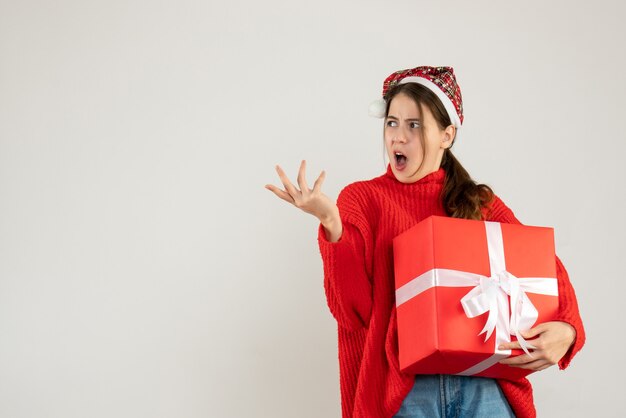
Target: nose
{"x": 400, "y": 138}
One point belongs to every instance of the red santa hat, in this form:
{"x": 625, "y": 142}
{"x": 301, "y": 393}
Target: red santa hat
{"x": 440, "y": 80}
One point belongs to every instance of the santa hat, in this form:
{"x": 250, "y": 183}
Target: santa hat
{"x": 440, "y": 80}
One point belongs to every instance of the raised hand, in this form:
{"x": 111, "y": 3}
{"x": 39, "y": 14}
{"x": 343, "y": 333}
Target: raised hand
{"x": 309, "y": 200}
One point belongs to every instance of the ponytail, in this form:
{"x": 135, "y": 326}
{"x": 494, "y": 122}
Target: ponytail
{"x": 462, "y": 197}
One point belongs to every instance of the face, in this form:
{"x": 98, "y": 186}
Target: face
{"x": 414, "y": 141}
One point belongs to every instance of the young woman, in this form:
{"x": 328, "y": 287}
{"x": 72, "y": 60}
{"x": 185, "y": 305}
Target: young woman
{"x": 423, "y": 113}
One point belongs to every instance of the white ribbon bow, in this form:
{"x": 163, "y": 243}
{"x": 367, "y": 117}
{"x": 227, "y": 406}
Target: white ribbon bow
{"x": 492, "y": 295}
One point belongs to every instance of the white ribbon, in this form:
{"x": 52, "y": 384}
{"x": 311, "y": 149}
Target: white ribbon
{"x": 490, "y": 294}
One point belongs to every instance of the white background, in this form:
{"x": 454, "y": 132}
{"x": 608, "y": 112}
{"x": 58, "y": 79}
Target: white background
{"x": 146, "y": 272}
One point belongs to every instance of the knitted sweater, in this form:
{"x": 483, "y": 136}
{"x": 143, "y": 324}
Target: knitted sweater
{"x": 359, "y": 285}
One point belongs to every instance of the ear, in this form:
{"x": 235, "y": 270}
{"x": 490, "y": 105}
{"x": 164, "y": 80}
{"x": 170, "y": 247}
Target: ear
{"x": 448, "y": 137}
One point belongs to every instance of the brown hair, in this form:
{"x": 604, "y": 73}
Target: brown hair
{"x": 462, "y": 197}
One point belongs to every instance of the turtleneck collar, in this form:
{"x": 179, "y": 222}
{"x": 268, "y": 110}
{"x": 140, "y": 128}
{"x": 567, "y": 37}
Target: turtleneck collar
{"x": 434, "y": 177}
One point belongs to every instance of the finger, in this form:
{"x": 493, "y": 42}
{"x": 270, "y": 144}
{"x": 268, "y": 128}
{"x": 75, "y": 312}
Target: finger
{"x": 317, "y": 186}
{"x": 517, "y": 360}
{"x": 533, "y": 365}
{"x": 302, "y": 177}
{"x": 515, "y": 345}
{"x": 280, "y": 193}
{"x": 544, "y": 367}
{"x": 290, "y": 188}
{"x": 533, "y": 332}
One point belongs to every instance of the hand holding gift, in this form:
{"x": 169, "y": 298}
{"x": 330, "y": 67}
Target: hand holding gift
{"x": 552, "y": 341}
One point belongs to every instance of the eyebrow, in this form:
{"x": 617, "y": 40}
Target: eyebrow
{"x": 408, "y": 120}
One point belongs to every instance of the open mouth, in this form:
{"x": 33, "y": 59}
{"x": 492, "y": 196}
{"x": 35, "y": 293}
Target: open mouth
{"x": 400, "y": 160}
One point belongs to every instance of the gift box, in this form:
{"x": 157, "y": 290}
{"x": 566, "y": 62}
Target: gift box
{"x": 463, "y": 287}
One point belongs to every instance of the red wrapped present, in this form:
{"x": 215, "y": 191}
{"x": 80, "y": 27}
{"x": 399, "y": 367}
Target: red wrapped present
{"x": 463, "y": 287}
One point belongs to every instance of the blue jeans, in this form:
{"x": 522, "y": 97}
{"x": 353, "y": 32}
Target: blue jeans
{"x": 450, "y": 396}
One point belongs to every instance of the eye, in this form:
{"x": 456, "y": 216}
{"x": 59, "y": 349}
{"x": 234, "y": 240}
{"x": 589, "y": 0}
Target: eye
{"x": 391, "y": 123}
{"x": 414, "y": 125}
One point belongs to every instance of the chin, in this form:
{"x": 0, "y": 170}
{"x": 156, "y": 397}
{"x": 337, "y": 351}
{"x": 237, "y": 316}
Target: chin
{"x": 405, "y": 176}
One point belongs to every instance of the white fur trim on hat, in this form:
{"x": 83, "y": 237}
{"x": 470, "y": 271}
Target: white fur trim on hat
{"x": 447, "y": 103}
{"x": 378, "y": 108}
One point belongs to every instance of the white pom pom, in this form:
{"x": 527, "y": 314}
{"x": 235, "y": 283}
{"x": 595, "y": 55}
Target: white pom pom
{"x": 378, "y": 108}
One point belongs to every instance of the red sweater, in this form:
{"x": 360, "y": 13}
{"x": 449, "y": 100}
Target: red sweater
{"x": 359, "y": 285}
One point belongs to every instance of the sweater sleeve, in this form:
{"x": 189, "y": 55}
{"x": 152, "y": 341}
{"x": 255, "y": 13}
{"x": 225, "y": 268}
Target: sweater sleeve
{"x": 568, "y": 304}
{"x": 346, "y": 277}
